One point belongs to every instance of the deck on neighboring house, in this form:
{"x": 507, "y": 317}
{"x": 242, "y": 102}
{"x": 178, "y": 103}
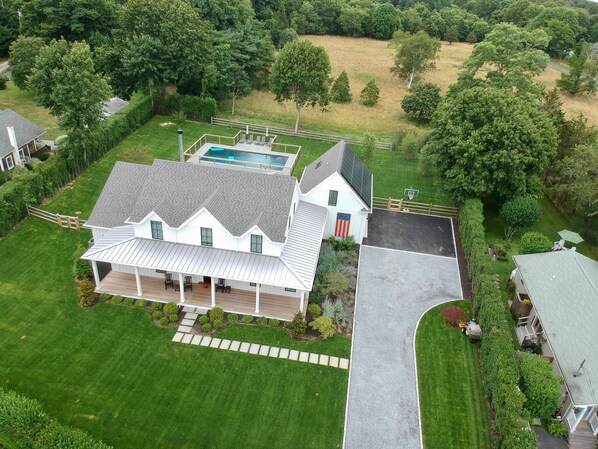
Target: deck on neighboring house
{"x": 237, "y": 301}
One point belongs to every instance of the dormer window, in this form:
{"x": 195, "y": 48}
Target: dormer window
{"x": 206, "y": 236}
{"x": 256, "y": 243}
{"x": 157, "y": 230}
{"x": 332, "y": 197}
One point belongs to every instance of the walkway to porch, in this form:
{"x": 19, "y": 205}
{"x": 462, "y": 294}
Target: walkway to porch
{"x": 238, "y": 301}
{"x": 582, "y": 437}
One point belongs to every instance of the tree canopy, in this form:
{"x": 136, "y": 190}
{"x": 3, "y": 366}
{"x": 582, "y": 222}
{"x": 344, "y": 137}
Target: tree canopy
{"x": 301, "y": 74}
{"x": 422, "y": 101}
{"x": 489, "y": 142}
{"x": 415, "y": 55}
{"x": 23, "y": 52}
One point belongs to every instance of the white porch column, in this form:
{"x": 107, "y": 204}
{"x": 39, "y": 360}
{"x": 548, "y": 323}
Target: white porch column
{"x": 213, "y": 291}
{"x": 302, "y": 301}
{"x": 182, "y": 287}
{"x": 138, "y": 282}
{"x": 257, "y": 298}
{"x": 1, "y": 164}
{"x": 96, "y": 273}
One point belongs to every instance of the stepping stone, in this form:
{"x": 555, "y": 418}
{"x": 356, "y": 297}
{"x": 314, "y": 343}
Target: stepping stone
{"x": 188, "y": 309}
{"x": 264, "y": 350}
{"x": 284, "y": 353}
{"x": 178, "y": 337}
{"x": 324, "y": 360}
{"x": 206, "y": 341}
{"x": 293, "y": 355}
{"x": 191, "y": 316}
{"x": 185, "y": 329}
{"x": 244, "y": 347}
{"x": 343, "y": 364}
{"x": 234, "y": 345}
{"x": 225, "y": 344}
{"x": 303, "y": 356}
{"x": 254, "y": 349}
{"x": 274, "y": 351}
{"x": 334, "y": 362}
{"x": 187, "y": 339}
{"x": 215, "y": 342}
{"x": 313, "y": 358}
{"x": 187, "y": 322}
{"x": 196, "y": 340}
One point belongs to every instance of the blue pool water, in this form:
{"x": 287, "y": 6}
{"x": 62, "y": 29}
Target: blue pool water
{"x": 240, "y": 157}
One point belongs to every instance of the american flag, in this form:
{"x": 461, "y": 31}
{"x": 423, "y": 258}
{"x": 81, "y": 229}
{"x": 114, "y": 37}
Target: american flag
{"x": 343, "y": 223}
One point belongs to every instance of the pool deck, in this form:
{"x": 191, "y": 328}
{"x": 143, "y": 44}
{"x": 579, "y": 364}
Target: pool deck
{"x": 252, "y": 148}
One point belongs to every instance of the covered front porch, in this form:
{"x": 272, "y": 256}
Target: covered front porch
{"x": 237, "y": 301}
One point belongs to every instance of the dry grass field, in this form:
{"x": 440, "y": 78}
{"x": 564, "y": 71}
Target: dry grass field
{"x": 364, "y": 59}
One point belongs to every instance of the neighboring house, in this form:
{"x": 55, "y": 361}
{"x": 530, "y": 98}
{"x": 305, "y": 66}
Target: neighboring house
{"x": 339, "y": 181}
{"x": 113, "y": 105}
{"x": 17, "y": 139}
{"x": 557, "y": 294}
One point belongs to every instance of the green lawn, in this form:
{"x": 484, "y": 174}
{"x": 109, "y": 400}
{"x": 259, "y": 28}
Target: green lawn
{"x": 110, "y": 371}
{"x": 451, "y": 396}
{"x": 22, "y": 102}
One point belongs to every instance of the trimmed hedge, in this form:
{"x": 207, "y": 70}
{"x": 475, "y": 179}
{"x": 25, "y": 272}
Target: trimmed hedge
{"x": 497, "y": 355}
{"x": 24, "y": 425}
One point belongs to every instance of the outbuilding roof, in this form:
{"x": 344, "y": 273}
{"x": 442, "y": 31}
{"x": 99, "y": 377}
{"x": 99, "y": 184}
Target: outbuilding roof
{"x": 25, "y": 131}
{"x": 340, "y": 159}
{"x": 113, "y": 105}
{"x": 563, "y": 288}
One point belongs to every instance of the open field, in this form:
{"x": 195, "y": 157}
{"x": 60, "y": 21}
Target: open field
{"x": 364, "y": 59}
{"x": 452, "y": 402}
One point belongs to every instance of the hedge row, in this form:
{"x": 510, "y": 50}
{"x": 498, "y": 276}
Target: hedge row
{"x": 497, "y": 358}
{"x": 31, "y": 187}
{"x": 24, "y": 425}
{"x": 193, "y": 107}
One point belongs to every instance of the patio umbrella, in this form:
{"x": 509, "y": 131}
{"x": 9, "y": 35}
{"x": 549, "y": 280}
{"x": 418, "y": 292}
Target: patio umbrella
{"x": 570, "y": 236}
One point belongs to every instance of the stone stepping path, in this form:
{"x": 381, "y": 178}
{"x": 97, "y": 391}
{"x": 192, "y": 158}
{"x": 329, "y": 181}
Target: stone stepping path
{"x": 184, "y": 336}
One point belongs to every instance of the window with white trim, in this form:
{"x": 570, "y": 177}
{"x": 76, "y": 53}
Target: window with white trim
{"x": 157, "y": 230}
{"x": 206, "y": 237}
{"x": 332, "y": 197}
{"x": 10, "y": 163}
{"x": 256, "y": 243}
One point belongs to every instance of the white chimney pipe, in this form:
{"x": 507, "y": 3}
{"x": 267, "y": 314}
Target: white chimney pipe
{"x": 12, "y": 136}
{"x": 181, "y": 150}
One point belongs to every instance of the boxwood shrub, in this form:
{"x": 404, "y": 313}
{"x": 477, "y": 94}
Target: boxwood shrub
{"x": 164, "y": 321}
{"x": 206, "y": 327}
{"x": 157, "y": 305}
{"x": 247, "y": 319}
{"x": 117, "y": 299}
{"x": 173, "y": 317}
{"x": 157, "y": 315}
{"x": 232, "y": 317}
{"x": 129, "y": 301}
{"x": 170, "y": 308}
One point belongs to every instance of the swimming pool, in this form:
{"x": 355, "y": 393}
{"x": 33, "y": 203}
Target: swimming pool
{"x": 242, "y": 158}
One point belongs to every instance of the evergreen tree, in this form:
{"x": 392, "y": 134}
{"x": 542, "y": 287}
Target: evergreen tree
{"x": 341, "y": 91}
{"x": 370, "y": 94}
{"x": 452, "y": 34}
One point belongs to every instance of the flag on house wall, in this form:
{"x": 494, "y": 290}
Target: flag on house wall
{"x": 343, "y": 223}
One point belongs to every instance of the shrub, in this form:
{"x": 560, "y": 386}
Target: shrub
{"x": 422, "y": 101}
{"x": 501, "y": 253}
{"x": 534, "y": 242}
{"x": 519, "y": 212}
{"x": 157, "y": 305}
{"x": 314, "y": 310}
{"x": 206, "y": 327}
{"x": 335, "y": 283}
{"x": 141, "y": 303}
{"x": 556, "y": 428}
{"x": 273, "y": 322}
{"x": 157, "y": 315}
{"x": 164, "y": 321}
{"x": 170, "y": 308}
{"x": 343, "y": 244}
{"x": 104, "y": 297}
{"x": 324, "y": 326}
{"x": 87, "y": 296}
{"x": 288, "y": 325}
{"x": 287, "y": 35}
{"x": 232, "y": 317}
{"x": 262, "y": 321}
{"x": 21, "y": 419}
{"x": 129, "y": 301}
{"x": 203, "y": 319}
{"x": 81, "y": 268}
{"x": 408, "y": 144}
{"x": 299, "y": 325}
{"x": 247, "y": 319}
{"x": 117, "y": 299}
{"x": 218, "y": 324}
{"x": 453, "y": 316}
{"x": 370, "y": 94}
{"x": 340, "y": 91}
{"x": 173, "y": 317}
{"x": 216, "y": 314}
{"x": 56, "y": 436}
{"x": 2, "y": 82}
{"x": 369, "y": 145}
{"x": 334, "y": 310}
{"x": 540, "y": 386}
{"x": 43, "y": 156}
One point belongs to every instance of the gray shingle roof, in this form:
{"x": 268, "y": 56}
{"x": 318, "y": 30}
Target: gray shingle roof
{"x": 175, "y": 191}
{"x": 340, "y": 159}
{"x": 114, "y": 105}
{"x": 25, "y": 131}
{"x": 563, "y": 288}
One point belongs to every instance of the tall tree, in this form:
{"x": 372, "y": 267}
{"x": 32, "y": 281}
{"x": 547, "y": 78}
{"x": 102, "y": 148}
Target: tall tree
{"x": 514, "y": 56}
{"x": 490, "y": 142}
{"x": 9, "y": 24}
{"x": 423, "y": 101}
{"x": 301, "y": 74}
{"x": 23, "y": 52}
{"x": 415, "y": 55}
{"x": 385, "y": 21}
{"x": 341, "y": 91}
{"x": 224, "y": 14}
{"x": 452, "y": 34}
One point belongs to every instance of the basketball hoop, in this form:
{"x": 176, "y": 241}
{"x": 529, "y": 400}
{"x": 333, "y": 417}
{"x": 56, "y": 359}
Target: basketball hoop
{"x": 411, "y": 193}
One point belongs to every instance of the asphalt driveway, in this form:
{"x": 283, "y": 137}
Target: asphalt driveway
{"x": 395, "y": 288}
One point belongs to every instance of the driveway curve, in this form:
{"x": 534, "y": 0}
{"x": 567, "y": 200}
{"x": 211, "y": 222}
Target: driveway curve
{"x": 395, "y": 288}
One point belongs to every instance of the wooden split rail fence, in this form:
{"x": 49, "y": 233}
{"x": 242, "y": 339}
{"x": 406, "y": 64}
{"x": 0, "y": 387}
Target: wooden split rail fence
{"x": 401, "y": 205}
{"x": 64, "y": 221}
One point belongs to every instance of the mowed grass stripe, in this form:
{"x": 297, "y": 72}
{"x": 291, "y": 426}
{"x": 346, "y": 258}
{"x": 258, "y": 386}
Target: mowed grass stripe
{"x": 451, "y": 396}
